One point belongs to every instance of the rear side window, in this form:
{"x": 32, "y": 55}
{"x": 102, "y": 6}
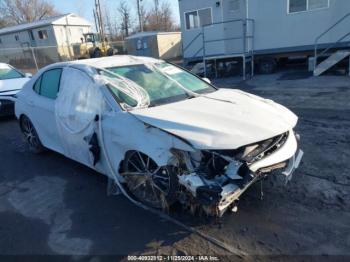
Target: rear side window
{"x": 48, "y": 84}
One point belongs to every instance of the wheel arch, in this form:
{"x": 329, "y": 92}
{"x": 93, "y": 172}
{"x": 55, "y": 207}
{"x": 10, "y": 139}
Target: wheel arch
{"x": 161, "y": 156}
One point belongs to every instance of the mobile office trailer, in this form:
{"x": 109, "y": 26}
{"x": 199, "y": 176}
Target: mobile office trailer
{"x": 263, "y": 32}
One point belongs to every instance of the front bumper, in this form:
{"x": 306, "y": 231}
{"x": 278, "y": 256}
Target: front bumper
{"x": 288, "y": 154}
{"x": 232, "y": 191}
{"x": 7, "y": 108}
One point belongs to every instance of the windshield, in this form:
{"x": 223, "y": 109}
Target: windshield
{"x": 163, "y": 83}
{"x": 91, "y": 38}
{"x": 7, "y": 72}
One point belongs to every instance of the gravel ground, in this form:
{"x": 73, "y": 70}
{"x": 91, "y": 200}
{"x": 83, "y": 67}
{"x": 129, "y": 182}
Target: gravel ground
{"x": 52, "y": 205}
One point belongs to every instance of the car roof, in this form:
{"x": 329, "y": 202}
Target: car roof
{"x": 114, "y": 61}
{"x": 105, "y": 62}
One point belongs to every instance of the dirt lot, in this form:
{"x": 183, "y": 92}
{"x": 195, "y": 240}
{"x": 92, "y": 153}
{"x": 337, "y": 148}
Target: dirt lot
{"x": 52, "y": 205}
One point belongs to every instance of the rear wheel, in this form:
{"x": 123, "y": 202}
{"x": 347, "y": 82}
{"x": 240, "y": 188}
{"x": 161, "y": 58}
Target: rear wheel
{"x": 30, "y": 135}
{"x": 153, "y": 185}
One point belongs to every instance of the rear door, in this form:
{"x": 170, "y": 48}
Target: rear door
{"x": 42, "y": 104}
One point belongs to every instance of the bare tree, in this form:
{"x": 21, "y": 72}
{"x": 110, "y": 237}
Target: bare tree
{"x": 166, "y": 20}
{"x": 23, "y": 11}
{"x": 160, "y": 17}
{"x": 124, "y": 12}
{"x": 3, "y": 23}
{"x": 111, "y": 24}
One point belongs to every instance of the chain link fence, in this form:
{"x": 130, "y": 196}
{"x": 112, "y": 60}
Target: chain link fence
{"x": 31, "y": 59}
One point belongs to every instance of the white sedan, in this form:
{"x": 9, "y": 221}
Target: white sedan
{"x": 163, "y": 134}
{"x": 11, "y": 82}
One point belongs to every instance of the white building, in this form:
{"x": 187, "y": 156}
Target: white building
{"x": 51, "y": 38}
{"x": 53, "y": 31}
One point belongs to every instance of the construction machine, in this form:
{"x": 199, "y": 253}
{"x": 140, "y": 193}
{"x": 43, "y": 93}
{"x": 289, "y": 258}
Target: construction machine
{"x": 92, "y": 46}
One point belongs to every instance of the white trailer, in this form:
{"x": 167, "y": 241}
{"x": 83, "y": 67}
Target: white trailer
{"x": 263, "y": 32}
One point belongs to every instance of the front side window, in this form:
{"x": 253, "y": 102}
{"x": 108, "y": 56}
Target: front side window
{"x": 296, "y": 6}
{"x": 7, "y": 72}
{"x": 79, "y": 100}
{"x": 163, "y": 83}
{"x": 48, "y": 84}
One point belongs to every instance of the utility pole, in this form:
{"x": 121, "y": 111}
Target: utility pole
{"x": 98, "y": 14}
{"x": 140, "y": 15}
{"x": 96, "y": 22}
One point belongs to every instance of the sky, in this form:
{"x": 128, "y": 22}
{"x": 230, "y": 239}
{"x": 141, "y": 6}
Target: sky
{"x": 84, "y": 7}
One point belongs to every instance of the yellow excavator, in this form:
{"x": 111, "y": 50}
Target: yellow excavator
{"x": 92, "y": 46}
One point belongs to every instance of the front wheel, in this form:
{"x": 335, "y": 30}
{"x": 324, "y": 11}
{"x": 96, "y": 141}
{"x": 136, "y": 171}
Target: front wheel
{"x": 30, "y": 135}
{"x": 111, "y": 52}
{"x": 153, "y": 185}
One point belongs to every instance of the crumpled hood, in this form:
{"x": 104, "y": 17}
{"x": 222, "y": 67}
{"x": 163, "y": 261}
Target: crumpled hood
{"x": 225, "y": 119}
{"x": 11, "y": 87}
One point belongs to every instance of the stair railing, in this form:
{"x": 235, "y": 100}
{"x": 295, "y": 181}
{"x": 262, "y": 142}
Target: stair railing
{"x": 332, "y": 45}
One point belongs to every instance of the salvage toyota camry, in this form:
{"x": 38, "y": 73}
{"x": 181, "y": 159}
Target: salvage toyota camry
{"x": 163, "y": 134}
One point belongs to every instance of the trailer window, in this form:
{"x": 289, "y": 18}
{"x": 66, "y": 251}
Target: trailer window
{"x": 42, "y": 34}
{"x": 198, "y": 18}
{"x": 191, "y": 20}
{"x": 317, "y": 4}
{"x": 296, "y": 6}
{"x": 205, "y": 17}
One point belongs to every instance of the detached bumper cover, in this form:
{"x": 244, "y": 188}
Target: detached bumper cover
{"x": 293, "y": 164}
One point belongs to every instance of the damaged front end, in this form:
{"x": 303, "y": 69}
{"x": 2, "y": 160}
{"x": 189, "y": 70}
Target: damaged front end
{"x": 212, "y": 181}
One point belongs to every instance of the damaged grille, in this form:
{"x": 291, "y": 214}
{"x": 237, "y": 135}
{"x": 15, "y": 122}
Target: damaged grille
{"x": 265, "y": 148}
{"x": 256, "y": 151}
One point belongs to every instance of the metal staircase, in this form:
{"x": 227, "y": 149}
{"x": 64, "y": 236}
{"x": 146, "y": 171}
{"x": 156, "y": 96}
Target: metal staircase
{"x": 246, "y": 40}
{"x": 334, "y": 59}
{"x": 338, "y": 54}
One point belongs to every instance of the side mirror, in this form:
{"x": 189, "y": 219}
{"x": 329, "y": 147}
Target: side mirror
{"x": 206, "y": 80}
{"x": 29, "y": 75}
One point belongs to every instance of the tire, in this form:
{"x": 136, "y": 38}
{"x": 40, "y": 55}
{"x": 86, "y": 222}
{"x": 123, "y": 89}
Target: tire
{"x": 31, "y": 136}
{"x": 97, "y": 53}
{"x": 111, "y": 52}
{"x": 267, "y": 66}
{"x": 154, "y": 186}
